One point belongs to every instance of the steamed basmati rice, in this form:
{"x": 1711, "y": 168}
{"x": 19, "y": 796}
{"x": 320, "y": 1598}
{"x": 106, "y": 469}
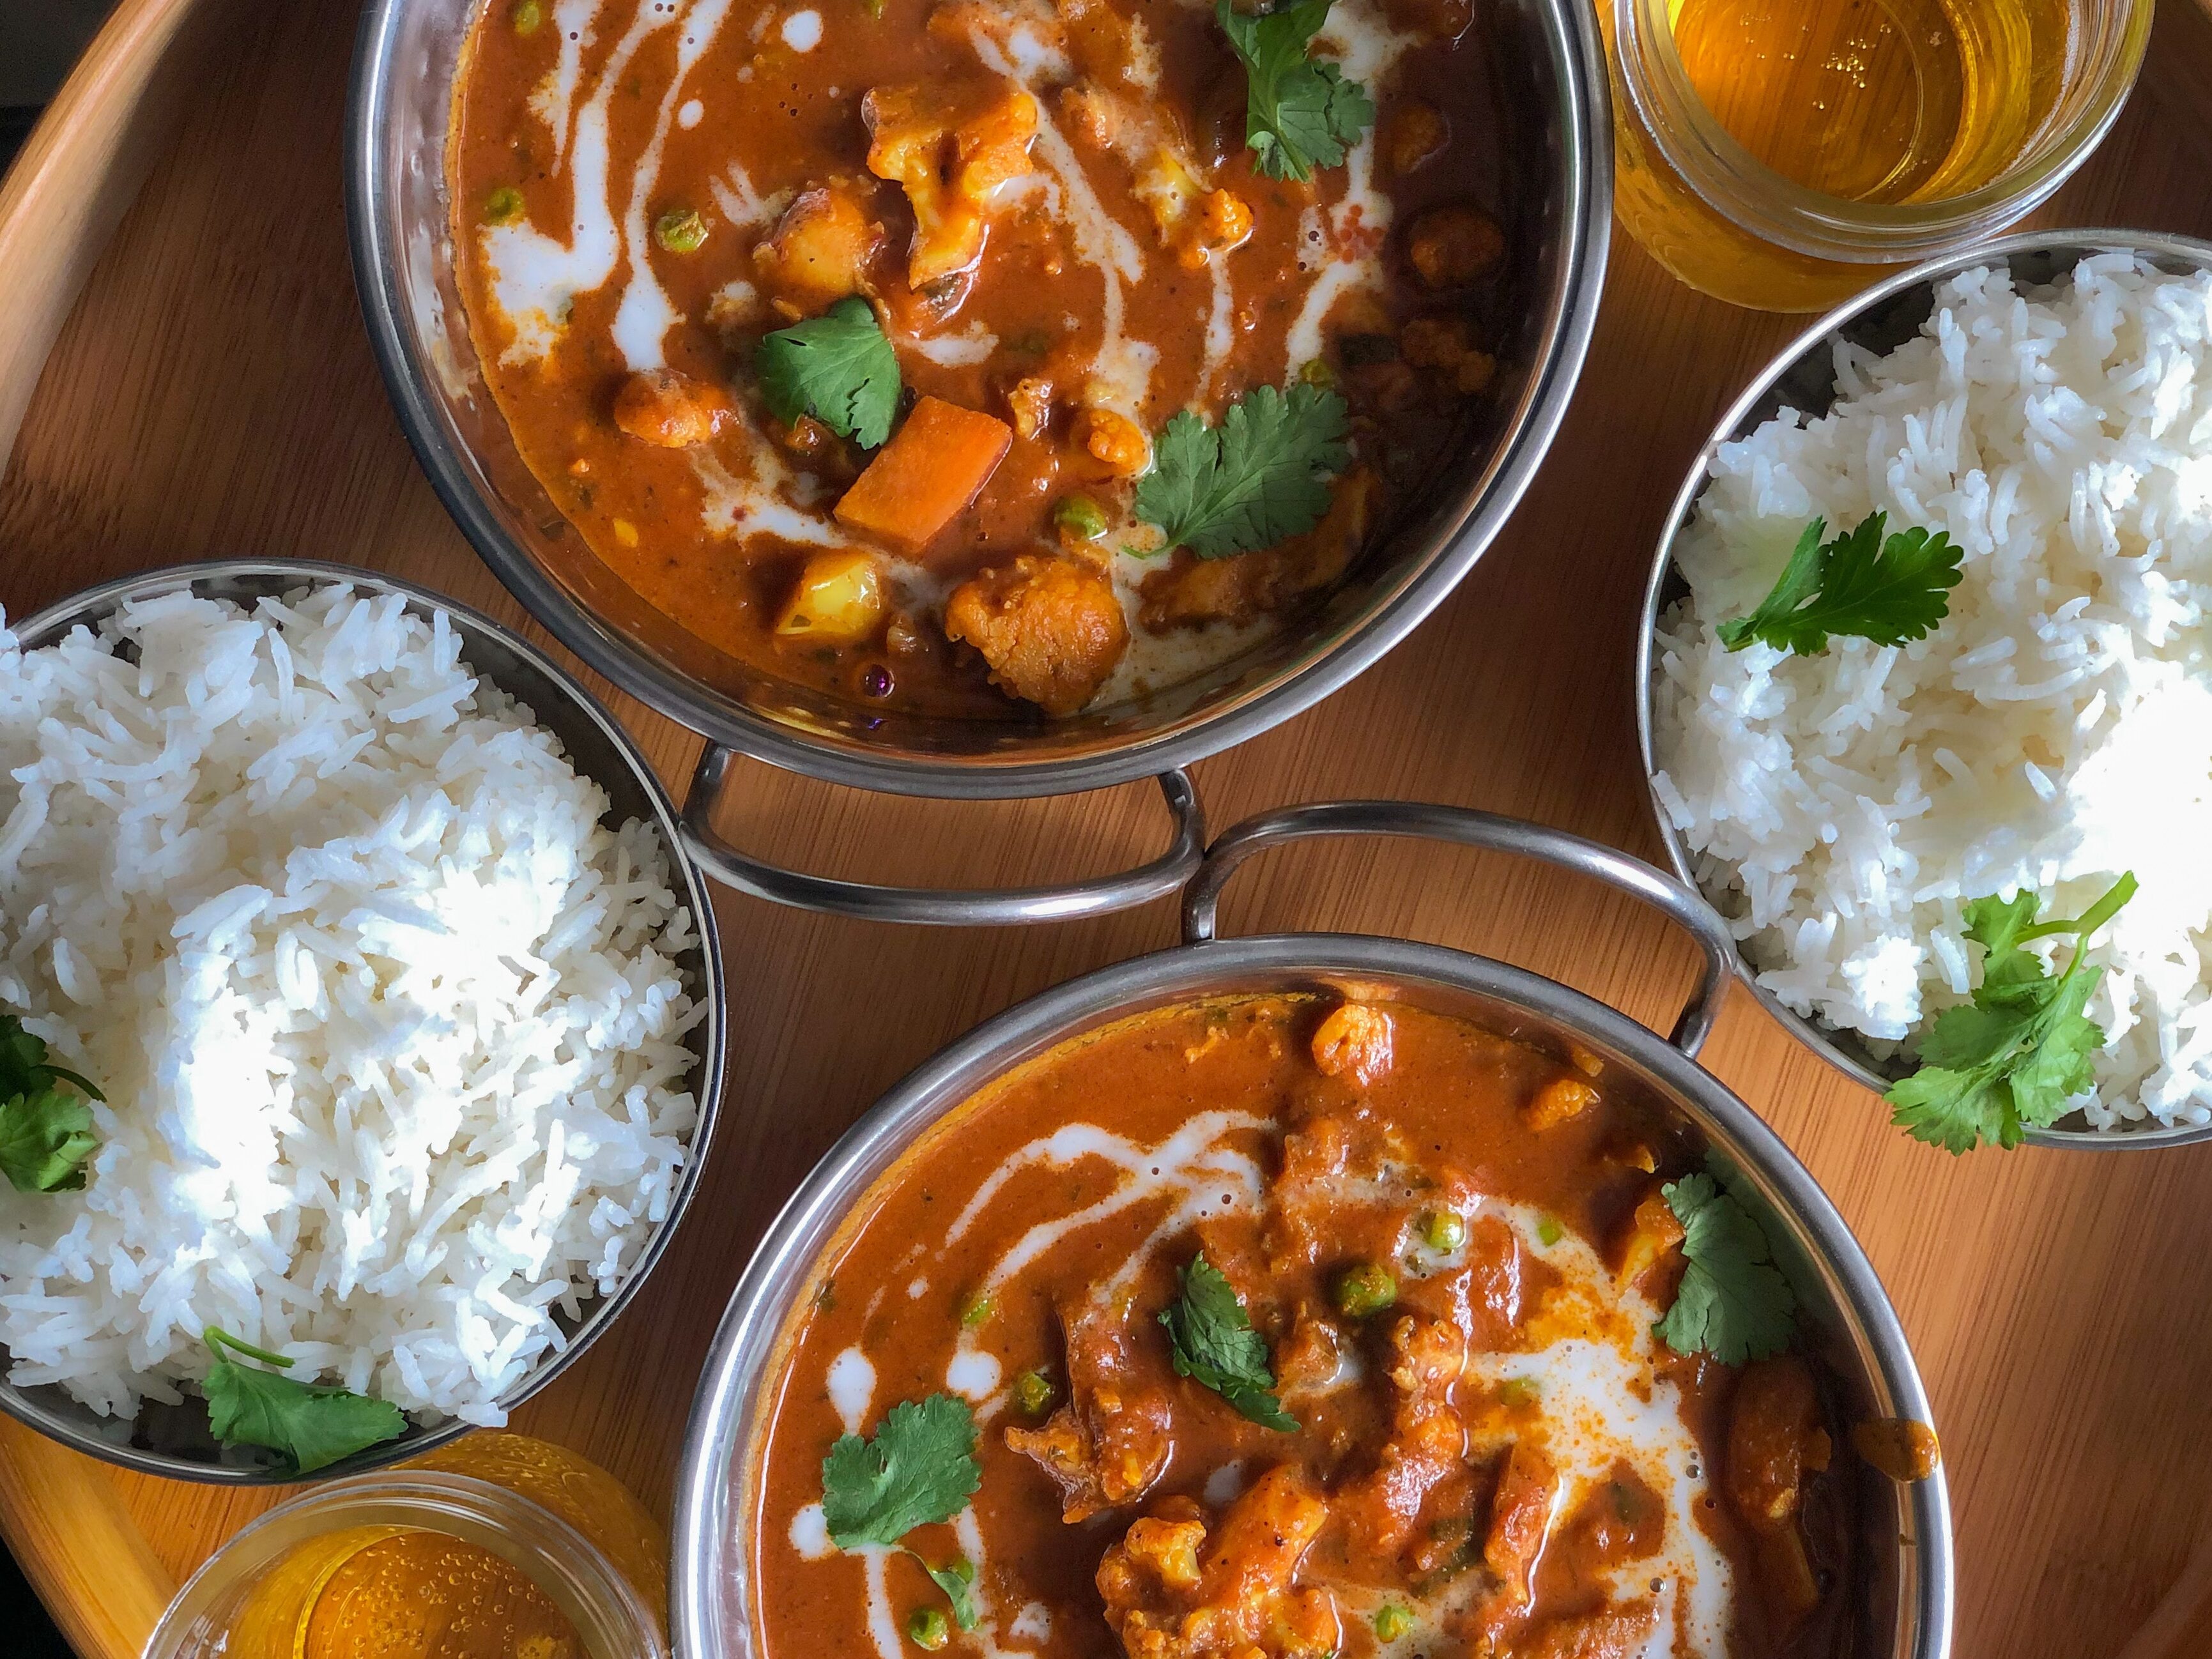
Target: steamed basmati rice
{"x": 2056, "y": 730}
{"x": 391, "y": 1027}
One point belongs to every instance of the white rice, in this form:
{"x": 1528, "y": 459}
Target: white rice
{"x": 2056, "y": 730}
{"x": 390, "y": 1027}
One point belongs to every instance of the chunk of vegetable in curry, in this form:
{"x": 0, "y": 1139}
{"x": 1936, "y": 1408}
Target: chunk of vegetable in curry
{"x": 1313, "y": 1327}
{"x": 1031, "y": 236}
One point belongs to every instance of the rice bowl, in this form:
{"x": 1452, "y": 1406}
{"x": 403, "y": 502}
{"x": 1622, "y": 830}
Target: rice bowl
{"x": 2051, "y": 416}
{"x": 453, "y": 1171}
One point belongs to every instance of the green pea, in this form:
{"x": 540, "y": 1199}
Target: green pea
{"x": 1517, "y": 1391}
{"x": 1034, "y": 1392}
{"x": 1391, "y": 1621}
{"x": 1080, "y": 516}
{"x": 527, "y": 15}
{"x": 503, "y": 206}
{"x": 1442, "y": 1230}
{"x": 927, "y": 1628}
{"x": 1549, "y": 1232}
{"x": 976, "y": 1312}
{"x": 1363, "y": 1290}
{"x": 681, "y": 230}
{"x": 1316, "y": 372}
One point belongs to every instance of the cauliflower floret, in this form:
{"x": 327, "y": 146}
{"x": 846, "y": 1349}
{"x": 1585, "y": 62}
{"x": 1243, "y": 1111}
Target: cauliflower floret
{"x": 1052, "y": 629}
{"x": 950, "y": 147}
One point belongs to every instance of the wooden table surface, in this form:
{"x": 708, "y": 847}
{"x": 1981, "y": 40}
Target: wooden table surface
{"x": 212, "y": 394}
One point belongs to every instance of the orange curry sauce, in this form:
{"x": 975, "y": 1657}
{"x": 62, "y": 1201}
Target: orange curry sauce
{"x": 643, "y": 189}
{"x": 1501, "y": 1461}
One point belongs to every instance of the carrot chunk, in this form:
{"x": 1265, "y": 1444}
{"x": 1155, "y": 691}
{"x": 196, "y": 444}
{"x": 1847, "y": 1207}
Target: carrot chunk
{"x": 929, "y": 471}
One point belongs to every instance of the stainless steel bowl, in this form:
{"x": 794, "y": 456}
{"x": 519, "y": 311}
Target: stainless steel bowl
{"x": 1904, "y": 1605}
{"x": 175, "y": 1441}
{"x": 1549, "y": 71}
{"x": 1803, "y": 377}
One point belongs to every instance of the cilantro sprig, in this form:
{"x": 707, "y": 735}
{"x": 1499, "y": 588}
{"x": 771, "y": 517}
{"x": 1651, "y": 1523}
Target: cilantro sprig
{"x": 45, "y": 1134}
{"x": 1258, "y": 478}
{"x": 1734, "y": 1302}
{"x": 1298, "y": 114}
{"x": 2017, "y": 1054}
{"x": 1212, "y": 1343}
{"x": 918, "y": 1469}
{"x": 838, "y": 367}
{"x": 313, "y": 1425}
{"x": 1888, "y": 589}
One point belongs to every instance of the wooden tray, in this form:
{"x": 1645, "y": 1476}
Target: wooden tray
{"x": 210, "y": 392}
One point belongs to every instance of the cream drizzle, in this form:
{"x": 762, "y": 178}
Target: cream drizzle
{"x": 1185, "y": 1160}
{"x": 972, "y": 344}
{"x": 552, "y": 99}
{"x": 534, "y": 276}
{"x": 644, "y": 317}
{"x": 1368, "y": 51}
{"x": 852, "y": 1385}
{"x": 1603, "y": 1401}
{"x": 733, "y": 504}
{"x": 1220, "y": 331}
{"x": 745, "y": 208}
{"x": 1122, "y": 372}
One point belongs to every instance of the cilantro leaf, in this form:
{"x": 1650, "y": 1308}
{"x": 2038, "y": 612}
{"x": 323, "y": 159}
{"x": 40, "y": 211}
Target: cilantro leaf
{"x": 1887, "y": 590}
{"x": 45, "y": 1135}
{"x": 837, "y": 368}
{"x": 956, "y": 1578}
{"x": 1214, "y": 1344}
{"x": 1298, "y": 114}
{"x": 44, "y": 1140}
{"x": 919, "y": 1468}
{"x": 314, "y": 1425}
{"x": 1256, "y": 480}
{"x": 1734, "y": 1302}
{"x": 2018, "y": 1053}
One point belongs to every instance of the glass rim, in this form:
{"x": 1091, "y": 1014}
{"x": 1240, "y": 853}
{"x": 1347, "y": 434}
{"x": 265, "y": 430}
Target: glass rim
{"x": 1764, "y": 203}
{"x": 609, "y": 1616}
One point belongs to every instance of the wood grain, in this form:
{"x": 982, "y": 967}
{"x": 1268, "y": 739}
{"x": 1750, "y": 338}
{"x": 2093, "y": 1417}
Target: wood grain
{"x": 211, "y": 393}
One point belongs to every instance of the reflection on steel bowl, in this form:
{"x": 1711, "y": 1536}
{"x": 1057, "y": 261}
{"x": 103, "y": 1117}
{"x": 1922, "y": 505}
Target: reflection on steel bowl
{"x": 650, "y": 457}
{"x": 2020, "y": 745}
{"x": 1174, "y": 1289}
{"x": 412, "y": 1054}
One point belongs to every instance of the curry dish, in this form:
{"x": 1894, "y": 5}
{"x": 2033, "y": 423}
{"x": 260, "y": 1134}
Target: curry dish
{"x": 966, "y": 357}
{"x": 1277, "y": 1328}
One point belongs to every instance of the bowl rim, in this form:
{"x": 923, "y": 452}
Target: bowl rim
{"x": 1800, "y": 351}
{"x": 1568, "y": 318}
{"x": 89, "y": 606}
{"x": 745, "y": 1350}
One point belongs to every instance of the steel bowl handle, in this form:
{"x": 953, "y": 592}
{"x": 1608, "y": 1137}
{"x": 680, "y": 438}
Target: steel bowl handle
{"x": 942, "y": 906}
{"x": 1201, "y": 899}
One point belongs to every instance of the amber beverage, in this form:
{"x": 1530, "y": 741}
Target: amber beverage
{"x": 1783, "y": 154}
{"x": 498, "y": 1546}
